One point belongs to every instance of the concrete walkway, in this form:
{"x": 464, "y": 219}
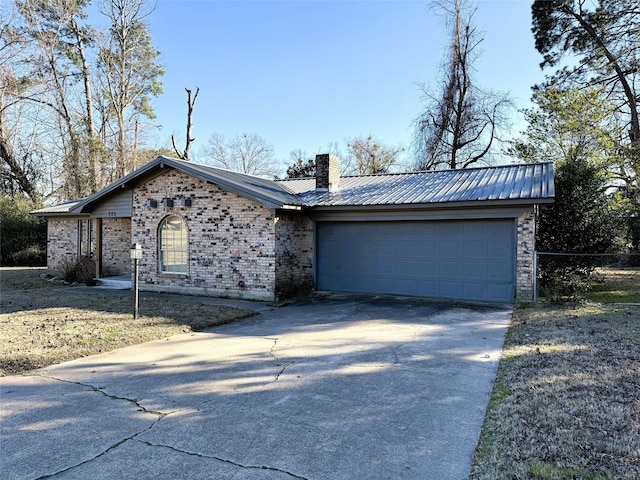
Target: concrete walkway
{"x": 330, "y": 388}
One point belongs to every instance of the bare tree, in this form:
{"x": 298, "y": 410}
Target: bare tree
{"x": 52, "y": 33}
{"x": 17, "y": 173}
{"x": 247, "y": 153}
{"x": 130, "y": 71}
{"x": 184, "y": 155}
{"x": 458, "y": 125}
{"x": 368, "y": 155}
{"x": 71, "y": 94}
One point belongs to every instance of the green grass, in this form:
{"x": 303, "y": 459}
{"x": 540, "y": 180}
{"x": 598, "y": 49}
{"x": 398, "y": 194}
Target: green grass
{"x": 616, "y": 286}
{"x": 549, "y": 471}
{"x": 613, "y": 296}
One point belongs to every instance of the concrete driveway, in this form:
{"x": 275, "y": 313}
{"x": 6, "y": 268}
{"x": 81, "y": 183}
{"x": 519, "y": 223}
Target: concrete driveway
{"x": 340, "y": 387}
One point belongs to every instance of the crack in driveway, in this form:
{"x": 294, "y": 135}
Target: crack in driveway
{"x": 104, "y": 452}
{"x": 160, "y": 415}
{"x": 134, "y": 401}
{"x": 224, "y": 460}
{"x": 271, "y": 352}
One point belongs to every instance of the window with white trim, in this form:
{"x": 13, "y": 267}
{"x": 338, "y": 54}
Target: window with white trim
{"x": 172, "y": 243}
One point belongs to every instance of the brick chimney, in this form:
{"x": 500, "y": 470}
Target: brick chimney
{"x": 327, "y": 172}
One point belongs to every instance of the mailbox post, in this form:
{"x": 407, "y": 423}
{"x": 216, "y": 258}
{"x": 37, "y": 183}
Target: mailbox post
{"x": 136, "y": 255}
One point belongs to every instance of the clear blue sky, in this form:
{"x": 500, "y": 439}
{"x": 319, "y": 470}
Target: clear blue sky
{"x": 303, "y": 74}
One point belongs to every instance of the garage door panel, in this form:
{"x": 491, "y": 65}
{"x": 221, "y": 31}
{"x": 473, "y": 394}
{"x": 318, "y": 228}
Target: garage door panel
{"x": 450, "y": 249}
{"x": 474, "y": 291}
{"x": 504, "y": 229}
{"x": 368, "y": 283}
{"x": 386, "y": 269}
{"x": 385, "y": 248}
{"x": 427, "y": 288}
{"x": 474, "y": 270}
{"x": 427, "y": 268}
{"x": 497, "y": 292}
{"x": 498, "y": 270}
{"x": 475, "y": 250}
{"x": 407, "y": 267}
{"x": 450, "y": 289}
{"x": 451, "y": 229}
{"x": 386, "y": 285}
{"x": 497, "y": 249}
{"x": 407, "y": 248}
{"x": 450, "y": 269}
{"x": 427, "y": 248}
{"x": 472, "y": 260}
{"x": 406, "y": 286}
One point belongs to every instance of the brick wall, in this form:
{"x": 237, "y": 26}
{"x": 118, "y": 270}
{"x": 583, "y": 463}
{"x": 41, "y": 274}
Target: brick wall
{"x": 116, "y": 244}
{"x": 231, "y": 239}
{"x": 525, "y": 251}
{"x": 294, "y": 256}
{"x": 327, "y": 172}
{"x": 62, "y": 242}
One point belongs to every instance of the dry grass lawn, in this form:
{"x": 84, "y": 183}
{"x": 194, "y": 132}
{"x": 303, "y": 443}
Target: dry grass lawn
{"x": 43, "y": 323}
{"x": 616, "y": 286}
{"x": 566, "y": 402}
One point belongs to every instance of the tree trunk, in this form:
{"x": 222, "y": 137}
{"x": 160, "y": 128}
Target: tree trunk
{"x": 92, "y": 138}
{"x": 16, "y": 172}
{"x": 184, "y": 155}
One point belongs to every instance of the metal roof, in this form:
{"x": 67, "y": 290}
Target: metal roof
{"x": 267, "y": 192}
{"x": 512, "y": 184}
{"x": 61, "y": 208}
{"x": 529, "y": 183}
{"x": 271, "y": 194}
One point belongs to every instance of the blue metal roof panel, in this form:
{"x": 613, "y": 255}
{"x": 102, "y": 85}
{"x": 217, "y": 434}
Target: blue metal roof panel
{"x": 510, "y": 182}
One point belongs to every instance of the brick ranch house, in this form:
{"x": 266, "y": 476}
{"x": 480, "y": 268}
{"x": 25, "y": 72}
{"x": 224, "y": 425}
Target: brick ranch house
{"x": 462, "y": 234}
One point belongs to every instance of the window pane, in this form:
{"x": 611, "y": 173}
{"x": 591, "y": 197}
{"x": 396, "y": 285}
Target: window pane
{"x": 173, "y": 245}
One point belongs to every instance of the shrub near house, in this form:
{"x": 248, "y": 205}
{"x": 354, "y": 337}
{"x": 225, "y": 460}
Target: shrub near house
{"x": 23, "y": 238}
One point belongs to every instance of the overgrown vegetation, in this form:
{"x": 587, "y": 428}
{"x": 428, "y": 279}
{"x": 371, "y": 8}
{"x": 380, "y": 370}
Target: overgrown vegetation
{"x": 566, "y": 400}
{"x": 78, "y": 271}
{"x": 43, "y": 323}
{"x": 23, "y": 237}
{"x": 583, "y": 220}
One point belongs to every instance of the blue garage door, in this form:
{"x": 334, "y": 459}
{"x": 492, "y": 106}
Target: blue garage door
{"x": 468, "y": 260}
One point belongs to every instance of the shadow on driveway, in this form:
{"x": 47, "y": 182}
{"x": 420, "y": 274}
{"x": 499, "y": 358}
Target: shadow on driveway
{"x": 343, "y": 387}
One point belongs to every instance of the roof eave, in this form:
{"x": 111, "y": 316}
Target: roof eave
{"x": 162, "y": 162}
{"x": 38, "y": 213}
{"x": 435, "y": 205}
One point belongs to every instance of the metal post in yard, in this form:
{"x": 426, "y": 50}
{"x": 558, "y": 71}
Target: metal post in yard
{"x": 136, "y": 255}
{"x": 535, "y": 276}
{"x": 135, "y": 289}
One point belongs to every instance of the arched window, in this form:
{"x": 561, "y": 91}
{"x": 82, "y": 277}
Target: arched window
{"x": 172, "y": 243}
